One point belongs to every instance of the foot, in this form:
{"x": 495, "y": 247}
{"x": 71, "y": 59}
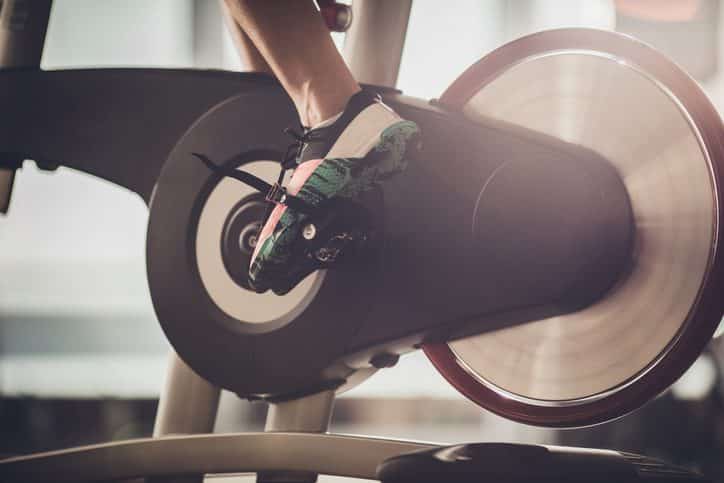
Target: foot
{"x": 365, "y": 145}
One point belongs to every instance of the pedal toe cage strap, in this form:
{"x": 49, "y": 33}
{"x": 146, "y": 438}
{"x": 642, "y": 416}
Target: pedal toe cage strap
{"x": 273, "y": 193}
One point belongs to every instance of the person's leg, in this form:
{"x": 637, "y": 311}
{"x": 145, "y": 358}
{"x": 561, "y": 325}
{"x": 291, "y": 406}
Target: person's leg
{"x": 295, "y": 42}
{"x": 251, "y": 59}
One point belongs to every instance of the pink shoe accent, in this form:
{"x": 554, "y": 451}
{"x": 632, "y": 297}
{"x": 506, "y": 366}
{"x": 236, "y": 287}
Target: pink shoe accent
{"x": 300, "y": 176}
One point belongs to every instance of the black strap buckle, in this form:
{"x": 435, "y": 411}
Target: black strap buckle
{"x": 277, "y": 194}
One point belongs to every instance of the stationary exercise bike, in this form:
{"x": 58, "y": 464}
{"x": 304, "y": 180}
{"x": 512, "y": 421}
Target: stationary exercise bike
{"x": 553, "y": 247}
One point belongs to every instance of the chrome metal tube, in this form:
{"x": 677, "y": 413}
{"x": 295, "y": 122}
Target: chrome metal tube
{"x": 309, "y": 414}
{"x": 374, "y": 42}
{"x": 187, "y": 405}
{"x": 23, "y": 24}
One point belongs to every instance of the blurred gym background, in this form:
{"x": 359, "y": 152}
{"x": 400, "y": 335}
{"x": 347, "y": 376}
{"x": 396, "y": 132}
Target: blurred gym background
{"x": 82, "y": 358}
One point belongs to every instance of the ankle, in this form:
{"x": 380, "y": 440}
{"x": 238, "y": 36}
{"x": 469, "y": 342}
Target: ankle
{"x": 318, "y": 108}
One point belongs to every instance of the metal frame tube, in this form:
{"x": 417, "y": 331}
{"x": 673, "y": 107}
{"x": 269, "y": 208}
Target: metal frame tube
{"x": 351, "y": 456}
{"x": 23, "y": 24}
{"x": 374, "y": 42}
{"x": 309, "y": 414}
{"x": 187, "y": 405}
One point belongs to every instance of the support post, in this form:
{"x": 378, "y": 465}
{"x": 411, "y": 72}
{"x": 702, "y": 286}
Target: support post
{"x": 187, "y": 405}
{"x": 309, "y": 414}
{"x": 374, "y": 42}
{"x": 23, "y": 24}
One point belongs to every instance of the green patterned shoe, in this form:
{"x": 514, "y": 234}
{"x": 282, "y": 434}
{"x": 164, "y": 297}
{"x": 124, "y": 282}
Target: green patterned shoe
{"x": 363, "y": 147}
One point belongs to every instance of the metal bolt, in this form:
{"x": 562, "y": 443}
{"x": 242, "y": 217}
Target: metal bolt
{"x": 309, "y": 231}
{"x": 249, "y": 237}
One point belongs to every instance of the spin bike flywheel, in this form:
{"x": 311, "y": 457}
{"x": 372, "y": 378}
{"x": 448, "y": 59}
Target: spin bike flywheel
{"x": 653, "y": 123}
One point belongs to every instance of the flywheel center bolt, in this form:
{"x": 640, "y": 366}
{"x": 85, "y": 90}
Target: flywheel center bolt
{"x": 309, "y": 231}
